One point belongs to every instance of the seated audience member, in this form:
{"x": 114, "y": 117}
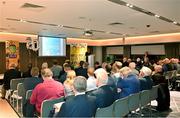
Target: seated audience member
{"x": 158, "y": 76}
{"x": 104, "y": 65}
{"x": 56, "y": 69}
{"x": 163, "y": 100}
{"x": 166, "y": 66}
{"x": 138, "y": 64}
{"x": 44, "y": 65}
{"x": 111, "y": 81}
{"x": 81, "y": 105}
{"x": 132, "y": 66}
{"x": 129, "y": 84}
{"x": 49, "y": 89}
{"x": 31, "y": 82}
{"x": 80, "y": 71}
{"x": 91, "y": 82}
{"x": 125, "y": 62}
{"x": 28, "y": 72}
{"x": 115, "y": 70}
{"x": 66, "y": 68}
{"x": 105, "y": 94}
{"x": 146, "y": 82}
{"x": 10, "y": 74}
{"x": 97, "y": 65}
{"x": 68, "y": 83}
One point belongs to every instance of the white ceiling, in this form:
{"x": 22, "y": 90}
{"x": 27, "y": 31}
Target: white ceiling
{"x": 89, "y": 14}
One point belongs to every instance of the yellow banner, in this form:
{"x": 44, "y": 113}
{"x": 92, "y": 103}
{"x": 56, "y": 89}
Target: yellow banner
{"x": 12, "y": 53}
{"x": 77, "y": 53}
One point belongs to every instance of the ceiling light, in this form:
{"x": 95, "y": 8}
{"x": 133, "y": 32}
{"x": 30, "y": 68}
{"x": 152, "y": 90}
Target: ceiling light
{"x": 157, "y": 16}
{"x": 88, "y": 33}
{"x": 60, "y": 26}
{"x": 127, "y": 5}
{"x": 175, "y": 22}
{"x": 131, "y": 6}
{"x": 21, "y": 20}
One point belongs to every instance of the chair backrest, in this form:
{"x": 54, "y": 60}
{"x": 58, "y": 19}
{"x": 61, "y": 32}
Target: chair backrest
{"x": 47, "y": 106}
{"x": 144, "y": 97}
{"x": 20, "y": 90}
{"x": 134, "y": 101}
{"x": 168, "y": 74}
{"x": 154, "y": 92}
{"x": 105, "y": 112}
{"x": 15, "y": 82}
{"x": 121, "y": 107}
{"x": 28, "y": 94}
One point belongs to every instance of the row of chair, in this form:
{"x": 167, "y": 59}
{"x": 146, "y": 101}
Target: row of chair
{"x": 119, "y": 108}
{"x": 124, "y": 106}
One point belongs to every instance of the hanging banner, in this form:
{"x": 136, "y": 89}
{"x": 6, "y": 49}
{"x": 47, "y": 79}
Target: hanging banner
{"x": 12, "y": 53}
{"x": 77, "y": 53}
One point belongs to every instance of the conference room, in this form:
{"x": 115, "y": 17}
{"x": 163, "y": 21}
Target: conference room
{"x": 119, "y": 57}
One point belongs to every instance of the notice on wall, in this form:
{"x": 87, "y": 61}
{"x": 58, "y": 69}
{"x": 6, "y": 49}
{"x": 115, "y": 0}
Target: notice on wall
{"x": 77, "y": 53}
{"x": 12, "y": 53}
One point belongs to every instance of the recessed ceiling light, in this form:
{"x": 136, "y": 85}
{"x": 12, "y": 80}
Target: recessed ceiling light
{"x": 127, "y": 4}
{"x": 60, "y": 26}
{"x": 21, "y": 20}
{"x": 175, "y": 22}
{"x": 157, "y": 16}
{"x": 131, "y": 6}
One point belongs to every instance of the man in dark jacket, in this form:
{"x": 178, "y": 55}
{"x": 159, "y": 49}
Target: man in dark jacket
{"x": 81, "y": 105}
{"x": 10, "y": 74}
{"x": 105, "y": 94}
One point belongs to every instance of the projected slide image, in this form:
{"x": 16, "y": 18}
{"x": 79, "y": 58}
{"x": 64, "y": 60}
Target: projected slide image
{"x": 52, "y": 46}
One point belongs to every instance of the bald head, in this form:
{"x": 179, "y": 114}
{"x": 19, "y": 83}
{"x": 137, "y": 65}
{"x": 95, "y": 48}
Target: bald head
{"x": 91, "y": 71}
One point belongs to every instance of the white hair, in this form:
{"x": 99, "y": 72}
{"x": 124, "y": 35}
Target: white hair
{"x": 101, "y": 75}
{"x": 147, "y": 71}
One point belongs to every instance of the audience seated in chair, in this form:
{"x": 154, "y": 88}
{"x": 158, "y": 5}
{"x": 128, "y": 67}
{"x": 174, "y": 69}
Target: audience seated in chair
{"x": 146, "y": 82}
{"x": 28, "y": 72}
{"x": 68, "y": 83}
{"x": 128, "y": 84}
{"x": 10, "y": 74}
{"x": 105, "y": 94}
{"x": 63, "y": 76}
{"x": 81, "y": 105}
{"x": 91, "y": 82}
{"x": 49, "y": 89}
{"x": 56, "y": 69}
{"x": 81, "y": 71}
{"x": 163, "y": 100}
{"x": 31, "y": 82}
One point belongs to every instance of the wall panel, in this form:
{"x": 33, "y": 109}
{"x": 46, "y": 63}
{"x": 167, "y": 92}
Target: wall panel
{"x": 152, "y": 49}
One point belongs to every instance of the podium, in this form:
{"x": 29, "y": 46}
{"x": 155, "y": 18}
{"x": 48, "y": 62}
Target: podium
{"x": 91, "y": 60}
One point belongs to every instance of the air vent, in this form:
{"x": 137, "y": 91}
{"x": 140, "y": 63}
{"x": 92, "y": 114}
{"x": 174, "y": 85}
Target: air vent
{"x": 154, "y": 32}
{"x": 29, "y": 5}
{"x": 115, "y": 23}
{"x": 2, "y": 28}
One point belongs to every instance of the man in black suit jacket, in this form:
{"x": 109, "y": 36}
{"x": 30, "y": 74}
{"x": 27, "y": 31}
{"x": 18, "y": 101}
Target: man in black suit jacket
{"x": 105, "y": 94}
{"x": 81, "y": 105}
{"x": 10, "y": 74}
{"x": 81, "y": 71}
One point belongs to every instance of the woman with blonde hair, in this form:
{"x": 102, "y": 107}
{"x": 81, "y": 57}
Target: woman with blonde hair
{"x": 68, "y": 83}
